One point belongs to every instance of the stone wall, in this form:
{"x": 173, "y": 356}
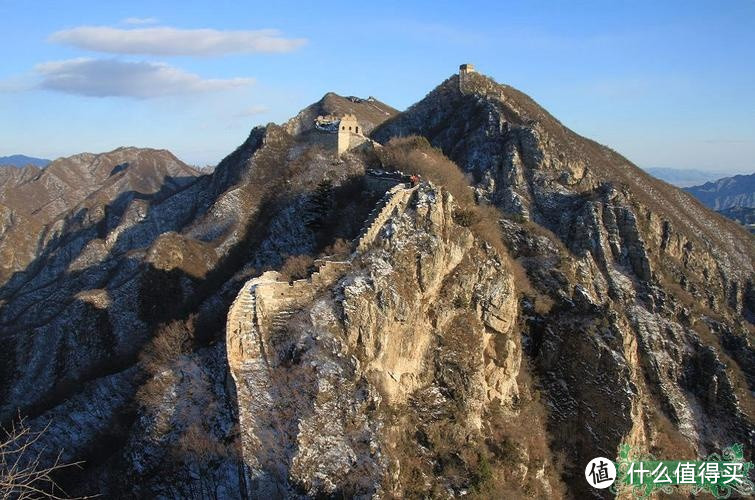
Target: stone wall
{"x": 262, "y": 308}
{"x": 396, "y": 198}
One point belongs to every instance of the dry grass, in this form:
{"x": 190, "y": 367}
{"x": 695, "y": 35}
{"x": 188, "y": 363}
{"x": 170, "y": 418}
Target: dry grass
{"x": 297, "y": 267}
{"x": 340, "y": 249}
{"x": 200, "y": 445}
{"x": 171, "y": 340}
{"x": 414, "y": 155}
{"x": 667, "y": 440}
{"x": 522, "y": 438}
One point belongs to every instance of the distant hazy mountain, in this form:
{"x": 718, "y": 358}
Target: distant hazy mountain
{"x": 736, "y": 191}
{"x": 23, "y": 160}
{"x": 683, "y": 177}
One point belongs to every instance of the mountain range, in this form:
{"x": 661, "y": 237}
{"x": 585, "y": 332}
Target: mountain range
{"x": 473, "y": 300}
{"x": 728, "y": 192}
{"x": 683, "y": 177}
{"x": 22, "y": 161}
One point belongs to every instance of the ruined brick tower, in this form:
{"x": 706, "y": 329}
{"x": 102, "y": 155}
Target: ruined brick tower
{"x": 464, "y": 71}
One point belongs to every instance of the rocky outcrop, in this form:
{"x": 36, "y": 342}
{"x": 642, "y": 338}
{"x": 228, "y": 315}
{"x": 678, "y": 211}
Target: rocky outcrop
{"x": 636, "y": 271}
{"x": 360, "y": 339}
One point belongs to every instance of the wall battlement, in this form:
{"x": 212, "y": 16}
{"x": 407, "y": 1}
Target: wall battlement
{"x": 263, "y": 307}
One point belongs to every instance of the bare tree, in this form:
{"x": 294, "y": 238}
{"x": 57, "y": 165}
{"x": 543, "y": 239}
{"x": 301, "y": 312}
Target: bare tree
{"x": 23, "y": 471}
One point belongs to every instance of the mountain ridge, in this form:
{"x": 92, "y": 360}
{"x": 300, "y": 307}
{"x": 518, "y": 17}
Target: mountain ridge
{"x": 609, "y": 308}
{"x": 726, "y": 192}
{"x": 22, "y": 161}
{"x": 683, "y": 177}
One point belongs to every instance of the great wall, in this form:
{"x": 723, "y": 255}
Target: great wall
{"x": 262, "y": 309}
{"x": 265, "y": 304}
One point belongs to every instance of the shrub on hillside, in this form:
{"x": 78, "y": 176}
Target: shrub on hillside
{"x": 339, "y": 249}
{"x": 171, "y": 340}
{"x": 414, "y": 155}
{"x": 464, "y": 217}
{"x": 297, "y": 267}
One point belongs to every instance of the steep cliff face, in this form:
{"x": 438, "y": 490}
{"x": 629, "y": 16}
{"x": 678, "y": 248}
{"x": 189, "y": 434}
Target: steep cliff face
{"x": 648, "y": 340}
{"x": 333, "y": 371}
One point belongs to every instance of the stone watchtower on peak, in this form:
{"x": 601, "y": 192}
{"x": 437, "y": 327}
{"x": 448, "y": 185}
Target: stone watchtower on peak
{"x": 346, "y": 130}
{"x": 467, "y": 68}
{"x": 464, "y": 71}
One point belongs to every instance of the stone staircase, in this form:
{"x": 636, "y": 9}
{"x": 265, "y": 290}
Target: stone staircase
{"x": 241, "y": 316}
{"x": 264, "y": 306}
{"x": 280, "y": 320}
{"x": 247, "y": 316}
{"x": 395, "y": 197}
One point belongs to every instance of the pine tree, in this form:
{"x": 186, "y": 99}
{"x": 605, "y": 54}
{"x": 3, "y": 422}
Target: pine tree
{"x": 321, "y": 204}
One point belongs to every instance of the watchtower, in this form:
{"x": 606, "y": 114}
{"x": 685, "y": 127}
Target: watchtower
{"x": 340, "y": 133}
{"x": 464, "y": 71}
{"x": 348, "y": 133}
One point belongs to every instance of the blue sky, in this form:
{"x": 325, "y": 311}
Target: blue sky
{"x": 665, "y": 83}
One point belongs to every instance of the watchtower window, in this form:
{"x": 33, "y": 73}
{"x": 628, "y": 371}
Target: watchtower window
{"x": 349, "y": 128}
{"x": 343, "y": 127}
{"x": 357, "y": 130}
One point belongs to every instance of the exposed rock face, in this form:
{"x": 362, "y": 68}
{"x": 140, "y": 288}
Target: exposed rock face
{"x": 645, "y": 281}
{"x": 362, "y": 338}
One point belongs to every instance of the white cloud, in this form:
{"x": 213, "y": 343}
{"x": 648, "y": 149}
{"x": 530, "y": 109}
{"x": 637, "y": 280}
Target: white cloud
{"x": 252, "y": 111}
{"x": 111, "y": 77}
{"x": 139, "y": 20}
{"x": 167, "y": 41}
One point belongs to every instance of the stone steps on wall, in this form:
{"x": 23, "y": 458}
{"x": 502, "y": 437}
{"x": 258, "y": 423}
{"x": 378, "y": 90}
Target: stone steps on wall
{"x": 393, "y": 198}
{"x": 375, "y": 213}
{"x": 243, "y": 316}
{"x": 382, "y": 202}
{"x": 280, "y": 320}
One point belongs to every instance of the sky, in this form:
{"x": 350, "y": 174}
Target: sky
{"x": 667, "y": 84}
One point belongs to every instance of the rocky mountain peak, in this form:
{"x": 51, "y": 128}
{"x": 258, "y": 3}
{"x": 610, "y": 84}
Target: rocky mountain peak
{"x": 368, "y": 111}
{"x": 444, "y": 313}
